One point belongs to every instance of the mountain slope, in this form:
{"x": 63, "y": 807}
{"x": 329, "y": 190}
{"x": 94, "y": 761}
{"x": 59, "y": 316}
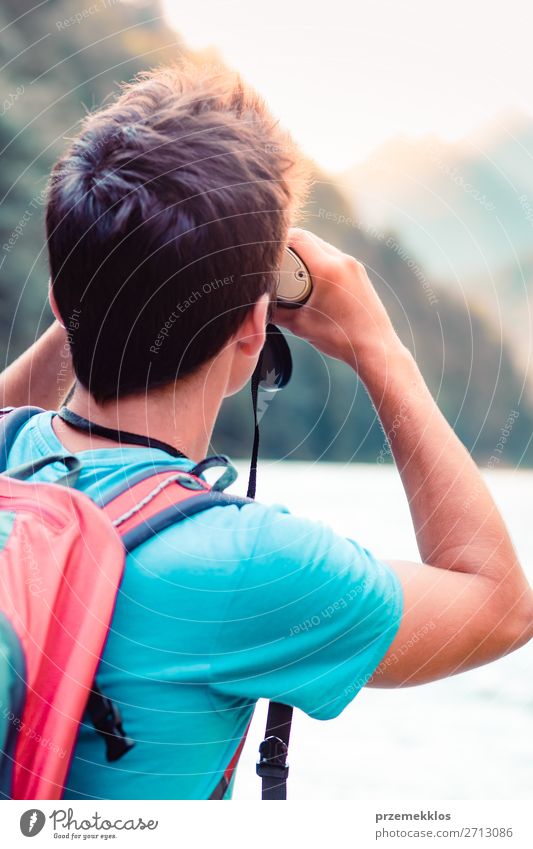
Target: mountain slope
{"x": 466, "y": 212}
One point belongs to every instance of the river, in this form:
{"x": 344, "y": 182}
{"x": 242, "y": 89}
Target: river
{"x": 467, "y": 737}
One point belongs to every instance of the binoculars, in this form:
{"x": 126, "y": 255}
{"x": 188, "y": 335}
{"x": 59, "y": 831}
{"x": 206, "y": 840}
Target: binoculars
{"x": 294, "y": 287}
{"x": 294, "y": 284}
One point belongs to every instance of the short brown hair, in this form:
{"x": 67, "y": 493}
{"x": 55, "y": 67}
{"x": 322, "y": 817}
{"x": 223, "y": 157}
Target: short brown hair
{"x": 165, "y": 223}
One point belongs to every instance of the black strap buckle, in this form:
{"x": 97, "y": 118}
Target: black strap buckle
{"x": 272, "y": 761}
{"x": 106, "y": 718}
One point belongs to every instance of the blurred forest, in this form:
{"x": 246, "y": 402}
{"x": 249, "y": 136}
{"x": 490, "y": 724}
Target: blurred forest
{"x": 55, "y": 68}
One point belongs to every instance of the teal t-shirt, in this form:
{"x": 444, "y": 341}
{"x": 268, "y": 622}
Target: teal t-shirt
{"x": 227, "y": 607}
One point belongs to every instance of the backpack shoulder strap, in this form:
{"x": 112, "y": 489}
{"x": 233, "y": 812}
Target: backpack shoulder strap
{"x": 176, "y": 512}
{"x": 139, "y": 509}
{"x": 11, "y": 421}
{"x": 142, "y": 508}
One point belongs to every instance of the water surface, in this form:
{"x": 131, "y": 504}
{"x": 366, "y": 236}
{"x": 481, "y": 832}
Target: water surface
{"x": 468, "y": 737}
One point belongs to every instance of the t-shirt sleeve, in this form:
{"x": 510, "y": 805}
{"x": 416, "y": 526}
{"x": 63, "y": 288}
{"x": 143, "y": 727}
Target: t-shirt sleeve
{"x": 310, "y": 619}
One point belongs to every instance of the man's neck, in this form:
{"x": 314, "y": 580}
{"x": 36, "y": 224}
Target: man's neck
{"x": 182, "y": 415}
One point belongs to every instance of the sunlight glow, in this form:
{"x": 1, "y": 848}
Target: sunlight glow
{"x": 346, "y": 76}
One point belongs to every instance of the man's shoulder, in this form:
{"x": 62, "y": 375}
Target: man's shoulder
{"x": 258, "y": 531}
{"x": 234, "y": 522}
{"x": 252, "y": 537}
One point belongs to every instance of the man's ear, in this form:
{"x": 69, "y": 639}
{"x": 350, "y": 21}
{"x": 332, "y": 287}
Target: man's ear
{"x": 252, "y": 332}
{"x": 53, "y": 304}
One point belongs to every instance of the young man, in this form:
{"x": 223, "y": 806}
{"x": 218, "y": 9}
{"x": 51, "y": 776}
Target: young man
{"x": 166, "y": 221}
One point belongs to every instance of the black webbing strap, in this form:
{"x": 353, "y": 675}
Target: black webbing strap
{"x": 272, "y": 766}
{"x": 105, "y": 717}
{"x": 252, "y": 478}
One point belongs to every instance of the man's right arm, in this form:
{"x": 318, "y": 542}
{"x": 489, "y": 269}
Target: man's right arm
{"x": 470, "y": 602}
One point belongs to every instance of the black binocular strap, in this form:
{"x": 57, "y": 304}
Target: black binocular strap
{"x": 272, "y": 766}
{"x": 252, "y": 478}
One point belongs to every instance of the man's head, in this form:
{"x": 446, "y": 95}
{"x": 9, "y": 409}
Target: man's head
{"x": 166, "y": 221}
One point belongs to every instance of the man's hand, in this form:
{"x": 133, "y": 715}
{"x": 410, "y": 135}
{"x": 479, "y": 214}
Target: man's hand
{"x": 471, "y": 602}
{"x": 344, "y": 317}
{"x": 42, "y": 375}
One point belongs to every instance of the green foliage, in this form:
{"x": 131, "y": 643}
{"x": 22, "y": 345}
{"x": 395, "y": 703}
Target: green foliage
{"x": 59, "y": 61}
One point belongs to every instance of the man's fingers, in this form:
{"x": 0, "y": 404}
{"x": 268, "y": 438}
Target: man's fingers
{"x": 297, "y": 236}
{"x": 320, "y": 258}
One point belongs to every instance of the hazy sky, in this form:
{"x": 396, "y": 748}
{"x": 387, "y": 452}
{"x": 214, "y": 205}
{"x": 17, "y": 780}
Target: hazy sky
{"x": 346, "y": 75}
